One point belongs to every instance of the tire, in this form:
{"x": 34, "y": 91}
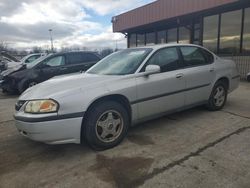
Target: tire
{"x": 218, "y": 97}
{"x": 106, "y": 125}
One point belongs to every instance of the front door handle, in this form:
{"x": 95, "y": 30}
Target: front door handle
{"x": 63, "y": 69}
{"x": 212, "y": 70}
{"x": 179, "y": 75}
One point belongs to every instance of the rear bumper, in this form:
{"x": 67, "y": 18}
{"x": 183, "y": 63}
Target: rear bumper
{"x": 52, "y": 132}
{"x": 234, "y": 84}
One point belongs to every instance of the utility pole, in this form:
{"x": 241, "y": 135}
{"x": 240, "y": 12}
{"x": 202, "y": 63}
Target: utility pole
{"x": 51, "y": 40}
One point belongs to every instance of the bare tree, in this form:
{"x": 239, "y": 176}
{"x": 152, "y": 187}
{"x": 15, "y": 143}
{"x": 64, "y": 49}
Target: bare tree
{"x": 3, "y": 46}
{"x": 37, "y": 49}
{"x": 105, "y": 52}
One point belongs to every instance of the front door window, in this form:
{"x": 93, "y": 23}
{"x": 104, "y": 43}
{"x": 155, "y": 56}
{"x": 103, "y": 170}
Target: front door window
{"x": 55, "y": 61}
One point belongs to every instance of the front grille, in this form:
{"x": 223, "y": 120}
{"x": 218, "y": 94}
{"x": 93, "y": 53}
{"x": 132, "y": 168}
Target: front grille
{"x": 19, "y": 105}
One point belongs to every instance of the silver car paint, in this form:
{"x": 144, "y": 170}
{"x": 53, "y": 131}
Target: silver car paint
{"x": 75, "y": 93}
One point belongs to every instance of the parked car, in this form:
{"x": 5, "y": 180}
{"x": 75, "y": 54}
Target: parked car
{"x": 32, "y": 57}
{"x": 5, "y": 60}
{"x": 3, "y": 65}
{"x": 24, "y": 76}
{"x": 123, "y": 89}
{"x": 248, "y": 77}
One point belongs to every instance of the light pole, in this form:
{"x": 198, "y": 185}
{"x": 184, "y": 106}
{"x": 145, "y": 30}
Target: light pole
{"x": 51, "y": 39}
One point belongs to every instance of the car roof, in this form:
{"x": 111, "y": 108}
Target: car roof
{"x": 63, "y": 53}
{"x": 159, "y": 46}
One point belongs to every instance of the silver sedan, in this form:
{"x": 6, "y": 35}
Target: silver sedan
{"x": 122, "y": 90}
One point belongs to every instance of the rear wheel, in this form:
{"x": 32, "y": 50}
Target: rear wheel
{"x": 218, "y": 96}
{"x": 106, "y": 125}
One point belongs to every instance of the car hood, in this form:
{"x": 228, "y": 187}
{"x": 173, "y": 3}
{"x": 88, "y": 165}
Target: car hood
{"x": 14, "y": 64}
{"x": 13, "y": 68}
{"x": 66, "y": 85}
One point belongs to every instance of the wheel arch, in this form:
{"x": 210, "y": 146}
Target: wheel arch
{"x": 121, "y": 99}
{"x": 23, "y": 84}
{"x": 225, "y": 80}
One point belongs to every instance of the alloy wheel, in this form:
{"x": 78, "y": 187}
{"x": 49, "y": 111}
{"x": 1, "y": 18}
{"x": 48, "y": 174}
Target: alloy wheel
{"x": 219, "y": 96}
{"x": 109, "y": 126}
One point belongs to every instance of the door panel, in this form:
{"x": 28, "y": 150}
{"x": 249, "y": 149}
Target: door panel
{"x": 160, "y": 93}
{"x": 52, "y": 67}
{"x": 198, "y": 84}
{"x": 198, "y": 73}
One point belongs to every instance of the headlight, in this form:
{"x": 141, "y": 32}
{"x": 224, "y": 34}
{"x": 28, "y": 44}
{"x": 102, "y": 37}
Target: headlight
{"x": 41, "y": 106}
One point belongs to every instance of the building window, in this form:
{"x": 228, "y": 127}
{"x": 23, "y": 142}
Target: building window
{"x": 246, "y": 35}
{"x": 210, "y": 32}
{"x": 172, "y": 35}
{"x": 197, "y": 32}
{"x": 230, "y": 32}
{"x": 184, "y": 34}
{"x": 140, "y": 39}
{"x": 132, "y": 40}
{"x": 150, "y": 38}
{"x": 161, "y": 37}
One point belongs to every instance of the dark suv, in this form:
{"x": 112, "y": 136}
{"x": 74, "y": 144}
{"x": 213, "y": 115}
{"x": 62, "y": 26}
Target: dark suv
{"x": 52, "y": 65}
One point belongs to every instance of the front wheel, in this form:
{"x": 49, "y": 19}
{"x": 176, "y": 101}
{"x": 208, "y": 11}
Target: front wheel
{"x": 218, "y": 96}
{"x": 106, "y": 125}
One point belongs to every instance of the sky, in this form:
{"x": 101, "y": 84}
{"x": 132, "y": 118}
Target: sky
{"x": 75, "y": 23}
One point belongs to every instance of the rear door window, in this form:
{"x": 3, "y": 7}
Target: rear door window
{"x": 91, "y": 57}
{"x": 79, "y": 58}
{"x": 75, "y": 58}
{"x": 193, "y": 56}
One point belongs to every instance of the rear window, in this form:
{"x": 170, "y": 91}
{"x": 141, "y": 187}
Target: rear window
{"x": 77, "y": 58}
{"x": 91, "y": 57}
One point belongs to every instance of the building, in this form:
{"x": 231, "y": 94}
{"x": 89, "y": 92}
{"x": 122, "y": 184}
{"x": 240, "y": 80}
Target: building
{"x": 223, "y": 26}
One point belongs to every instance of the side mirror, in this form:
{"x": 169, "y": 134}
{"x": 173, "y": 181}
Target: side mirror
{"x": 152, "y": 69}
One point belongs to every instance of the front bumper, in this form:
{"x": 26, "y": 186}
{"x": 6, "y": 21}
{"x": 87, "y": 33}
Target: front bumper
{"x": 52, "y": 132}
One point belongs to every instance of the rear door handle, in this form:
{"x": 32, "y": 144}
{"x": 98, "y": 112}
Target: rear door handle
{"x": 179, "y": 75}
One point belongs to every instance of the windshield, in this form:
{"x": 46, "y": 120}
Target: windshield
{"x": 121, "y": 63}
{"x": 34, "y": 63}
